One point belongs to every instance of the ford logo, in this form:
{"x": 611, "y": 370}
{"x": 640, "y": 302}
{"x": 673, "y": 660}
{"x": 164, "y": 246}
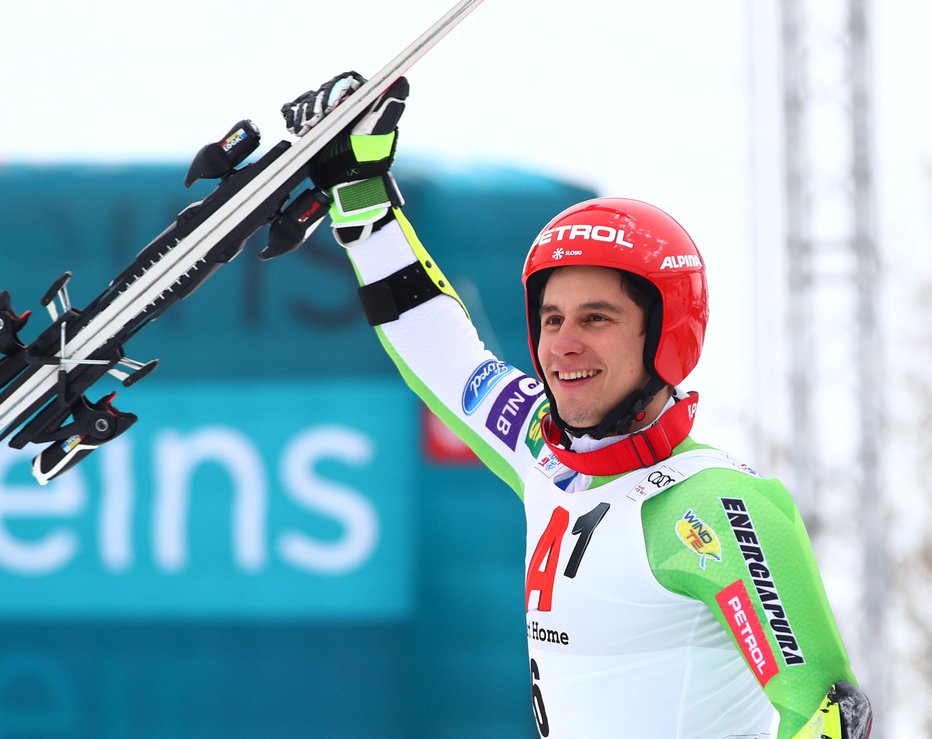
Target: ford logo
{"x": 481, "y": 381}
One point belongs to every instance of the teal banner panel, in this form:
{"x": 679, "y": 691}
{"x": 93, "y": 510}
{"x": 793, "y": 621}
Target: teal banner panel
{"x": 269, "y": 318}
{"x": 227, "y": 499}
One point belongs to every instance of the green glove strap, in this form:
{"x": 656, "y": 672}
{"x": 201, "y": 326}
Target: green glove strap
{"x": 364, "y": 201}
{"x": 372, "y": 147}
{"x": 358, "y": 202}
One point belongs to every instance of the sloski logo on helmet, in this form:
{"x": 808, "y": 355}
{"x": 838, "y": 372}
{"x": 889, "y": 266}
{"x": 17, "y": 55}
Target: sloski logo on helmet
{"x": 560, "y": 252}
{"x": 481, "y": 381}
{"x": 606, "y": 234}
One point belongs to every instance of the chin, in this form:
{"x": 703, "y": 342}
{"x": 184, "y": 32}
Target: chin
{"x": 580, "y": 422}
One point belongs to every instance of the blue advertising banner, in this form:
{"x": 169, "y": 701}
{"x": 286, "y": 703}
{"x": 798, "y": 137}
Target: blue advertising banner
{"x": 227, "y": 499}
{"x": 93, "y": 220}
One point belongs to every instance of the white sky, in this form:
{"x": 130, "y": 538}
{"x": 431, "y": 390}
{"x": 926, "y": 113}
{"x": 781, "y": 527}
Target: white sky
{"x": 674, "y": 102}
{"x": 647, "y": 100}
{"x": 640, "y": 100}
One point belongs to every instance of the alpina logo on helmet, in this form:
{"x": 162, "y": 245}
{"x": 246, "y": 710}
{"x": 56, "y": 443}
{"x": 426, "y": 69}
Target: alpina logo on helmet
{"x": 680, "y": 260}
{"x": 606, "y": 234}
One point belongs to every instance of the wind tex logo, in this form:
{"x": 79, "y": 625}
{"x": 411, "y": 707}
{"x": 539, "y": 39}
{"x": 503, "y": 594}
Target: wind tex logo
{"x": 486, "y": 376}
{"x": 699, "y": 537}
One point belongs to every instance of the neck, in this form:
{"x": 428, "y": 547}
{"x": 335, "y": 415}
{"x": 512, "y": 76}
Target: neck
{"x": 587, "y": 443}
{"x": 652, "y": 411}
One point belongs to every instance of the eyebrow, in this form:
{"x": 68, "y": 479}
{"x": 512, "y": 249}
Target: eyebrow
{"x": 596, "y": 305}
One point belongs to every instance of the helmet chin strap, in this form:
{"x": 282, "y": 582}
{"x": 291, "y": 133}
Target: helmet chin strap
{"x": 619, "y": 419}
{"x": 643, "y": 448}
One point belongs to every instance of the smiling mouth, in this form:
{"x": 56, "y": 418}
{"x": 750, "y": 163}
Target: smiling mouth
{"x": 576, "y": 375}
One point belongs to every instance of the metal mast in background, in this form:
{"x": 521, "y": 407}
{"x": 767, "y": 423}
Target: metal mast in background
{"x": 833, "y": 288}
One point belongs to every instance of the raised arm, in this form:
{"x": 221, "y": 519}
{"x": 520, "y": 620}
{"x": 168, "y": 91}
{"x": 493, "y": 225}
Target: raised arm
{"x": 418, "y": 316}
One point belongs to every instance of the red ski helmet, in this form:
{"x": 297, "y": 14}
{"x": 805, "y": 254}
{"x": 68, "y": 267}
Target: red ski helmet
{"x": 639, "y": 238}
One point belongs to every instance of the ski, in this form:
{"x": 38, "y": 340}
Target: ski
{"x": 44, "y": 382}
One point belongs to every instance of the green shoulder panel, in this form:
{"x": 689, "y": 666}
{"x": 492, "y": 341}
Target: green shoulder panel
{"x": 737, "y": 542}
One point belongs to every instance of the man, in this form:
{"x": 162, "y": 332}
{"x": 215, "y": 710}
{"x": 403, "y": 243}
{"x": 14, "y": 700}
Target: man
{"x": 670, "y": 591}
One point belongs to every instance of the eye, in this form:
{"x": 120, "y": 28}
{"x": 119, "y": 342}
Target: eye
{"x": 551, "y": 319}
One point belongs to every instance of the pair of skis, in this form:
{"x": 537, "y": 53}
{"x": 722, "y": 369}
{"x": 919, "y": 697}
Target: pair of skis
{"x": 43, "y": 383}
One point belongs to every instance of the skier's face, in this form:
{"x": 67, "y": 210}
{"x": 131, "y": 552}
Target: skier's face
{"x": 591, "y": 345}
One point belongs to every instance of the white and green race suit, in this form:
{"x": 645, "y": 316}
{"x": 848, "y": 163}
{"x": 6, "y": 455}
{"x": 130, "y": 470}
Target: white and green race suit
{"x": 676, "y": 601}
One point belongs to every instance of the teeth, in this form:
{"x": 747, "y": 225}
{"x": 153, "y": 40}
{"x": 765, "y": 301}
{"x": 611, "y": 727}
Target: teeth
{"x": 576, "y": 375}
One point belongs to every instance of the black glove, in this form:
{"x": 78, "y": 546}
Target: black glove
{"x": 355, "y": 165}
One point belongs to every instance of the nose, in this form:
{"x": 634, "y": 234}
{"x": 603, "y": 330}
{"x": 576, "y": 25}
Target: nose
{"x": 566, "y": 341}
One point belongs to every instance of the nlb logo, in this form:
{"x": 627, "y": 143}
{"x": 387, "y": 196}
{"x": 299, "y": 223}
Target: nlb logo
{"x": 512, "y": 407}
{"x": 700, "y": 538}
{"x": 481, "y": 381}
